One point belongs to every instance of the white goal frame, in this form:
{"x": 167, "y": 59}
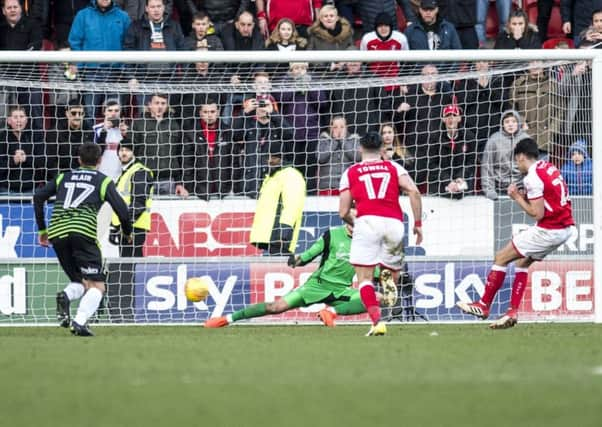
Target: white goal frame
{"x": 594, "y": 55}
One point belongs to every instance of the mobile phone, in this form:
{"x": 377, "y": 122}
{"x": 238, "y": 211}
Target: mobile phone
{"x": 115, "y": 122}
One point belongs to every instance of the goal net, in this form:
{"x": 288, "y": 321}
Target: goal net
{"x": 207, "y": 128}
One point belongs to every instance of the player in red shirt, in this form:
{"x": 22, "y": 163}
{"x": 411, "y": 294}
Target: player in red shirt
{"x": 547, "y": 201}
{"x": 374, "y": 185}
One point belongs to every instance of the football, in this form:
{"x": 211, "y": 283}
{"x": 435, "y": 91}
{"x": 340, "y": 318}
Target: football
{"x": 196, "y": 289}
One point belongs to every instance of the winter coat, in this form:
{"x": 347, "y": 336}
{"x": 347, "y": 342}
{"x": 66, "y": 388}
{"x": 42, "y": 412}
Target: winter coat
{"x": 62, "y": 145}
{"x": 578, "y": 177}
{"x": 257, "y": 139}
{"x": 418, "y": 37}
{"x": 321, "y": 39}
{"x": 529, "y": 40}
{"x": 301, "y": 12}
{"x": 210, "y": 41}
{"x": 536, "y": 100}
{"x": 498, "y": 168}
{"x": 334, "y": 157}
{"x": 158, "y": 144}
{"x": 208, "y": 172}
{"x": 233, "y": 40}
{"x": 25, "y": 35}
{"x": 96, "y": 30}
{"x": 136, "y": 8}
{"x": 461, "y": 13}
{"x": 302, "y": 109}
{"x": 450, "y": 160}
{"x": 19, "y": 178}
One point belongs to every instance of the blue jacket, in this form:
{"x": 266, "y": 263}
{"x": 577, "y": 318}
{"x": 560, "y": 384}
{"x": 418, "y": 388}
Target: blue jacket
{"x": 578, "y": 177}
{"x": 96, "y": 30}
{"x": 448, "y": 36}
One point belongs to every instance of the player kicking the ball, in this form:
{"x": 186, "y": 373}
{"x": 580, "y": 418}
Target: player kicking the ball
{"x": 547, "y": 201}
{"x": 329, "y": 284}
{"x": 374, "y": 184}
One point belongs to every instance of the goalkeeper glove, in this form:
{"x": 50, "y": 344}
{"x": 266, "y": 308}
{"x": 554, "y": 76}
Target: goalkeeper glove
{"x": 115, "y": 235}
{"x": 292, "y": 261}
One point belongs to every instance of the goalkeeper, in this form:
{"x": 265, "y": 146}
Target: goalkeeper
{"x": 329, "y": 284}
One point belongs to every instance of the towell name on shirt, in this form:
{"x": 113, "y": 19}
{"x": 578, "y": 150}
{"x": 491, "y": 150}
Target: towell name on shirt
{"x": 373, "y": 168}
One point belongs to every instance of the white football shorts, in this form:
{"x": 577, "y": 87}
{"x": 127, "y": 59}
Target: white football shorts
{"x": 377, "y": 240}
{"x": 536, "y": 242}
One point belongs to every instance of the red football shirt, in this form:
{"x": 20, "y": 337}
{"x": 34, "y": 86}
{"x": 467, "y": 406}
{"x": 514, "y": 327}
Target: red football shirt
{"x": 374, "y": 185}
{"x": 544, "y": 180}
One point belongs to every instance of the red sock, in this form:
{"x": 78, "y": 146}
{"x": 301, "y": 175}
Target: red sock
{"x": 495, "y": 279}
{"x": 518, "y": 286}
{"x": 368, "y": 297}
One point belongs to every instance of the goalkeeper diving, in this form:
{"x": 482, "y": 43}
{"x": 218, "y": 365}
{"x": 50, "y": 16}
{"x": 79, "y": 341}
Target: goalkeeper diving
{"x": 330, "y": 284}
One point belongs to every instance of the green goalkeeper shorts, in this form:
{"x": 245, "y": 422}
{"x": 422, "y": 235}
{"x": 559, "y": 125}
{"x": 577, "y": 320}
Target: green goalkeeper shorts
{"x": 313, "y": 292}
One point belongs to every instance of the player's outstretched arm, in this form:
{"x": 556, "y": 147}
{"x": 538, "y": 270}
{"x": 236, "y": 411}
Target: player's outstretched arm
{"x": 120, "y": 208}
{"x": 407, "y": 185}
{"x": 534, "y": 208}
{"x": 345, "y": 201}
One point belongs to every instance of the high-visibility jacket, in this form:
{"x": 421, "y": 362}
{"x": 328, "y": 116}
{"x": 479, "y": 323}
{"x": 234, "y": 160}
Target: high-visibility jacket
{"x": 125, "y": 187}
{"x": 281, "y": 199}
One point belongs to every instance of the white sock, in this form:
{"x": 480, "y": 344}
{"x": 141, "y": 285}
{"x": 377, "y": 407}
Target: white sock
{"x": 88, "y": 306}
{"x": 74, "y": 290}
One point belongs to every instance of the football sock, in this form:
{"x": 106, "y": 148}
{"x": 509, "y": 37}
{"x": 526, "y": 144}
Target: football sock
{"x": 495, "y": 280}
{"x": 88, "y": 305}
{"x": 254, "y": 310}
{"x": 353, "y": 306}
{"x": 518, "y": 286}
{"x": 74, "y": 291}
{"x": 369, "y": 300}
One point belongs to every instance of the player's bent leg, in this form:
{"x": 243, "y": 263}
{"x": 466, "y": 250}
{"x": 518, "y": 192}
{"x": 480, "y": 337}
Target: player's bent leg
{"x": 388, "y": 282}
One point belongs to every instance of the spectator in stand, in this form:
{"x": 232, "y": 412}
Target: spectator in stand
{"x": 108, "y": 134}
{"x": 208, "y": 154}
{"x": 242, "y": 34}
{"x": 452, "y": 157}
{"x": 301, "y": 12}
{"x": 22, "y": 160}
{"x": 256, "y": 132}
{"x": 62, "y": 143}
{"x": 431, "y": 31}
{"x": 154, "y": 33}
{"x": 220, "y": 12}
{"x": 359, "y": 105}
{"x": 284, "y": 38}
{"x": 577, "y": 16}
{"x": 578, "y": 169}
{"x": 303, "y": 108}
{"x": 60, "y": 14}
{"x": 203, "y": 34}
{"x": 519, "y": 33}
{"x": 503, "y": 8}
{"x": 262, "y": 86}
{"x": 482, "y": 99}
{"x": 136, "y": 9}
{"x": 100, "y": 26}
{"x": 337, "y": 150}
{"x": 58, "y": 99}
{"x": 420, "y": 111}
{"x": 498, "y": 168}
{"x": 20, "y": 32}
{"x": 395, "y": 150}
{"x": 368, "y": 10}
{"x": 593, "y": 33}
{"x": 157, "y": 141}
{"x": 463, "y": 15}
{"x": 329, "y": 31}
{"x": 384, "y": 37}
{"x": 535, "y": 96}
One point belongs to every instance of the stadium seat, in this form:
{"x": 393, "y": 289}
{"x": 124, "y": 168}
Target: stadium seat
{"x": 553, "y": 42}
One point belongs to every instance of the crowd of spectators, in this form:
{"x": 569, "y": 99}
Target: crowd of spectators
{"x": 454, "y": 136}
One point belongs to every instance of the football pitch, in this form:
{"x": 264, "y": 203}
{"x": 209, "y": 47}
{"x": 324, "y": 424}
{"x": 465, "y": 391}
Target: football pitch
{"x": 417, "y": 375}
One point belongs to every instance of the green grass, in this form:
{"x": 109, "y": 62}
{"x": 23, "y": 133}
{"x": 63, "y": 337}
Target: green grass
{"x": 532, "y": 375}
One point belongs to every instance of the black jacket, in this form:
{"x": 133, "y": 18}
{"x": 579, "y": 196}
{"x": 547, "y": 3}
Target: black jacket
{"x": 25, "y": 35}
{"x": 62, "y": 145}
{"x": 461, "y": 13}
{"x": 20, "y": 177}
{"x": 207, "y": 174}
{"x": 529, "y": 40}
{"x": 579, "y": 13}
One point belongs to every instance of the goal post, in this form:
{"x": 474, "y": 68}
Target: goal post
{"x": 207, "y": 233}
